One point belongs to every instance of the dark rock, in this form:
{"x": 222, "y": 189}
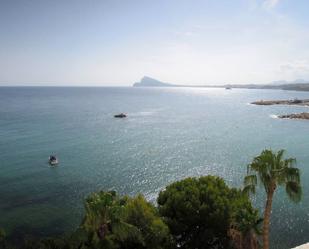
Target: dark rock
{"x": 303, "y": 115}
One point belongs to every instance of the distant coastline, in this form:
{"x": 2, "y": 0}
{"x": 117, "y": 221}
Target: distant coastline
{"x": 151, "y": 82}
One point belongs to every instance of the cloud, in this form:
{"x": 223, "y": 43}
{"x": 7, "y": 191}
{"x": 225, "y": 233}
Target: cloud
{"x": 185, "y": 33}
{"x": 297, "y": 66}
{"x": 269, "y": 4}
{"x": 295, "y": 69}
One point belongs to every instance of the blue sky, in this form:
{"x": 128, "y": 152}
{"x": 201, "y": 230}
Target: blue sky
{"x": 101, "y": 42}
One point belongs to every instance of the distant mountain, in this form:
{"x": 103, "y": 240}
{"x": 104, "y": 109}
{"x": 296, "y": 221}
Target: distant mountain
{"x": 299, "y": 81}
{"x": 279, "y": 82}
{"x": 151, "y": 82}
{"x": 286, "y": 86}
{"x": 284, "y": 82}
{"x": 296, "y": 85}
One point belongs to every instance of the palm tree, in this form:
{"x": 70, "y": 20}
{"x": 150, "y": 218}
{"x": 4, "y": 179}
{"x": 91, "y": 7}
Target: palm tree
{"x": 104, "y": 220}
{"x": 272, "y": 170}
{"x": 246, "y": 229}
{"x": 250, "y": 228}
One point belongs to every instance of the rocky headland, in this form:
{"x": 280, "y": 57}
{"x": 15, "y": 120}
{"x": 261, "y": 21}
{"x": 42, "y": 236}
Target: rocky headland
{"x": 300, "y": 102}
{"x": 303, "y": 115}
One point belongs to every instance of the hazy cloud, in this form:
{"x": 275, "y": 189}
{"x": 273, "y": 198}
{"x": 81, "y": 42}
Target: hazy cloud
{"x": 297, "y": 66}
{"x": 295, "y": 69}
{"x": 269, "y": 4}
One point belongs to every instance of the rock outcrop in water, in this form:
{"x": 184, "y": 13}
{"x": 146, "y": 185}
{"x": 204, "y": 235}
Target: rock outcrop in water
{"x": 304, "y": 102}
{"x": 298, "y": 102}
{"x": 303, "y": 115}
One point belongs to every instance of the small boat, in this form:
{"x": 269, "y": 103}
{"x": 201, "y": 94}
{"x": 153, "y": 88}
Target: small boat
{"x": 228, "y": 88}
{"x": 121, "y": 115}
{"x": 53, "y": 160}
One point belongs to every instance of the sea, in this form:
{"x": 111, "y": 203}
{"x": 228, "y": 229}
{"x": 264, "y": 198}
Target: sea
{"x": 169, "y": 134}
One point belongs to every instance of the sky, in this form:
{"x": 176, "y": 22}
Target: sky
{"x": 116, "y": 43}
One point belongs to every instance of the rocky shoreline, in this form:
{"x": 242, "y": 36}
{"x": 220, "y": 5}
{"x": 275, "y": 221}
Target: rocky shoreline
{"x": 300, "y": 102}
{"x": 303, "y": 115}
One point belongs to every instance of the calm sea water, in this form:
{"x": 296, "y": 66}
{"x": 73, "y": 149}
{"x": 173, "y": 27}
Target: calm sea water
{"x": 170, "y": 133}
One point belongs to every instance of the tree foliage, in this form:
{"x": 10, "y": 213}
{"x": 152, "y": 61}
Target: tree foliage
{"x": 145, "y": 216}
{"x": 114, "y": 222}
{"x": 199, "y": 211}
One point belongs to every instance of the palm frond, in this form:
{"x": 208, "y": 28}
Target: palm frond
{"x": 248, "y": 169}
{"x": 250, "y": 180}
{"x": 249, "y": 189}
{"x": 279, "y": 158}
{"x": 258, "y": 226}
{"x": 290, "y": 162}
{"x": 292, "y": 174}
{"x": 294, "y": 191}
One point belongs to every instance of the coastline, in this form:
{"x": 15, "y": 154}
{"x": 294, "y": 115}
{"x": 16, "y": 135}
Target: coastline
{"x": 295, "y": 102}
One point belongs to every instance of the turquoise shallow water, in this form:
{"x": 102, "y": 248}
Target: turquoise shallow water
{"x": 171, "y": 133}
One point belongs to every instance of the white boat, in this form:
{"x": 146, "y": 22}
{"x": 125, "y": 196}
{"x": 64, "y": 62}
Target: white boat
{"x": 53, "y": 160}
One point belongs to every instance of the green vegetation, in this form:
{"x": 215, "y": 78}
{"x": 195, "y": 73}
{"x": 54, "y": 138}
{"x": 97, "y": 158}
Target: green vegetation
{"x": 193, "y": 213}
{"x": 272, "y": 170}
{"x": 114, "y": 222}
{"x": 199, "y": 211}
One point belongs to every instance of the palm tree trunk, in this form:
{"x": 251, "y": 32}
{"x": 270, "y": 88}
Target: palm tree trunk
{"x": 267, "y": 218}
{"x": 253, "y": 241}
